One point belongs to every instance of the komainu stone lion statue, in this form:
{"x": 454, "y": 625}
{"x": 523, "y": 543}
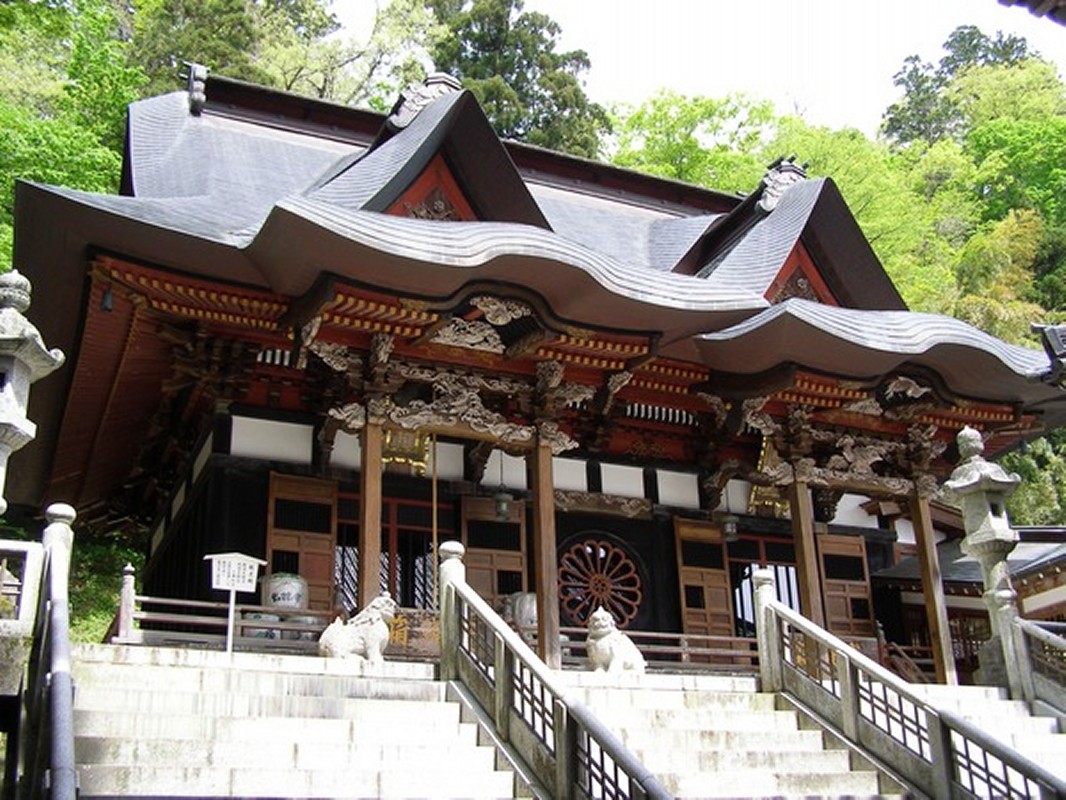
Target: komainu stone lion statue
{"x": 608, "y": 649}
{"x": 364, "y": 636}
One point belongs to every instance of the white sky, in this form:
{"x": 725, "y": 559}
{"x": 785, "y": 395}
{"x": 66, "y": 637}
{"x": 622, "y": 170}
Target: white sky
{"x": 830, "y": 60}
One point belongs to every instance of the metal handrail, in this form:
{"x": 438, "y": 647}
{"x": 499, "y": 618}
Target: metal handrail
{"x": 935, "y": 750}
{"x": 562, "y": 741}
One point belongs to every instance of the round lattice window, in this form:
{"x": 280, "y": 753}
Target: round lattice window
{"x": 596, "y": 573}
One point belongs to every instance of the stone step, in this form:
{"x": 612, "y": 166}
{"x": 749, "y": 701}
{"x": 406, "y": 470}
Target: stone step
{"x": 367, "y": 710}
{"x": 765, "y": 783}
{"x": 793, "y": 761}
{"x": 213, "y": 679}
{"x": 257, "y": 730}
{"x": 601, "y": 697}
{"x": 683, "y": 720}
{"x": 692, "y": 741}
{"x": 944, "y": 696}
{"x": 659, "y": 681}
{"x": 283, "y": 753}
{"x": 206, "y": 781}
{"x": 250, "y": 662}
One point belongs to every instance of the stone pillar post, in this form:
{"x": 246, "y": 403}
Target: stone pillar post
{"x": 766, "y": 631}
{"x": 452, "y": 572}
{"x": 981, "y": 489}
{"x": 127, "y": 606}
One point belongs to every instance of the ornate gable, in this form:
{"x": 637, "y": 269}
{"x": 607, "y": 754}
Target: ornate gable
{"x": 434, "y": 195}
{"x": 799, "y": 277}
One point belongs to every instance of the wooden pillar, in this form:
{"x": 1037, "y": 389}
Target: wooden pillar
{"x": 810, "y": 587}
{"x": 936, "y": 609}
{"x": 370, "y": 513}
{"x": 545, "y": 558}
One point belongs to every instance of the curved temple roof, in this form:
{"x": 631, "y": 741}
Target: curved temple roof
{"x": 240, "y": 196}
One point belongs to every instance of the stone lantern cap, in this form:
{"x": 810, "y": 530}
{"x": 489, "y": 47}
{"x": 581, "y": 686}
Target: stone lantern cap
{"x": 974, "y": 474}
{"x": 19, "y": 339}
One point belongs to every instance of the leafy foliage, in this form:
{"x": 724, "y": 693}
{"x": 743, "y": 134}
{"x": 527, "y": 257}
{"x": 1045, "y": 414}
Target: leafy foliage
{"x": 1041, "y": 497}
{"x": 95, "y": 583}
{"x": 367, "y": 70}
{"x": 928, "y": 110}
{"x": 701, "y": 140}
{"x": 57, "y": 150}
{"x": 507, "y": 57}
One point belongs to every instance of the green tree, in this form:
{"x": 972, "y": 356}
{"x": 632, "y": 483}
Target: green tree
{"x": 56, "y": 150}
{"x": 701, "y": 140}
{"x": 882, "y": 198}
{"x": 356, "y": 70}
{"x": 1022, "y": 164}
{"x": 100, "y": 81}
{"x": 1025, "y": 90}
{"x": 220, "y": 34}
{"x": 67, "y": 127}
{"x": 1041, "y": 496}
{"x": 508, "y": 58}
{"x": 926, "y": 111}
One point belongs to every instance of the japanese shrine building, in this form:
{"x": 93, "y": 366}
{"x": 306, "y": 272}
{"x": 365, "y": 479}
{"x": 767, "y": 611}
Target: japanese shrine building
{"x": 301, "y": 325}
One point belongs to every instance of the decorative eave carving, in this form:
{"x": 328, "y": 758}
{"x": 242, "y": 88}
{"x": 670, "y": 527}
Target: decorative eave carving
{"x": 712, "y": 485}
{"x": 423, "y": 373}
{"x": 435, "y": 207}
{"x": 470, "y": 334}
{"x": 456, "y": 405}
{"x": 498, "y": 311}
{"x": 593, "y": 503}
{"x": 754, "y": 416}
{"x": 718, "y": 408}
{"x": 806, "y": 471}
{"x": 549, "y": 377}
{"x": 336, "y": 356}
{"x": 556, "y": 437}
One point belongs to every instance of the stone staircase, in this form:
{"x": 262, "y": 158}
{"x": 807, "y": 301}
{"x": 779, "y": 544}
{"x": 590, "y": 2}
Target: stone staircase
{"x": 1037, "y": 737}
{"x": 160, "y": 722}
{"x": 711, "y": 736}
{"x": 192, "y": 723}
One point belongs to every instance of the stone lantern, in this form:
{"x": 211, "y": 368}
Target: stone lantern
{"x": 981, "y": 489}
{"x": 24, "y": 359}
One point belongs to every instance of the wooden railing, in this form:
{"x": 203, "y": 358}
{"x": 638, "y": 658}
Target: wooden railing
{"x": 667, "y": 652}
{"x": 936, "y": 751}
{"x": 165, "y": 621}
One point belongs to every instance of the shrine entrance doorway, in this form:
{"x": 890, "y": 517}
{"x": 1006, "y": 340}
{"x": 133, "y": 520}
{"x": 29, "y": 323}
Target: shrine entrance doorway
{"x": 406, "y": 568}
{"x": 750, "y": 553}
{"x": 302, "y": 533}
{"x": 495, "y": 542}
{"x": 706, "y": 600}
{"x": 846, "y": 585}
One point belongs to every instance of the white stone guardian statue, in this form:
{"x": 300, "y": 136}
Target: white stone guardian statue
{"x": 364, "y": 636}
{"x": 608, "y": 648}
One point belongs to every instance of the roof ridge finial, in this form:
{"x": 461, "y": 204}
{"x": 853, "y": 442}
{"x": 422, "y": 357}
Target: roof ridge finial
{"x": 780, "y": 175}
{"x": 417, "y": 96}
{"x": 195, "y": 76}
